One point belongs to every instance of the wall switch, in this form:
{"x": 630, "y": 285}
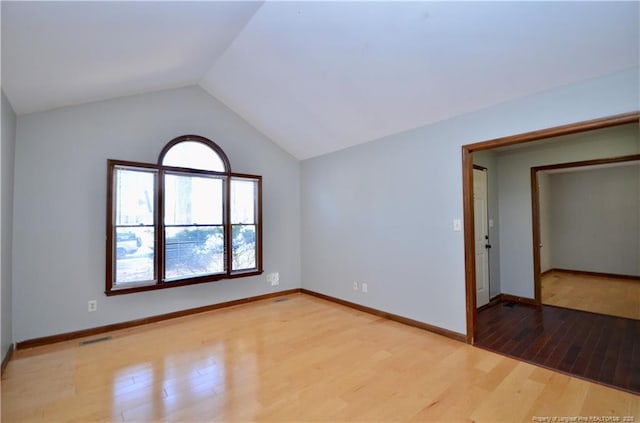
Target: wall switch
{"x": 92, "y": 305}
{"x": 355, "y": 286}
{"x": 365, "y": 288}
{"x": 457, "y": 225}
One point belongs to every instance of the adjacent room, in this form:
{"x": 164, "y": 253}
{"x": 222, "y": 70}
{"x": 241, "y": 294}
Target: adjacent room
{"x": 578, "y": 196}
{"x": 319, "y": 211}
{"x": 592, "y": 212}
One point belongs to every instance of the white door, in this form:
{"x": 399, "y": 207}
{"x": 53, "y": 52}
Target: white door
{"x": 481, "y": 236}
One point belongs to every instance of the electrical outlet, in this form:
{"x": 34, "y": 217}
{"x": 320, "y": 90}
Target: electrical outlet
{"x": 365, "y": 288}
{"x": 355, "y": 286}
{"x": 273, "y": 278}
{"x": 93, "y": 305}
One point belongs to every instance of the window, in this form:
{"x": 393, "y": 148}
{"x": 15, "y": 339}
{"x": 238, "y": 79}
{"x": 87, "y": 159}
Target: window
{"x": 187, "y": 219}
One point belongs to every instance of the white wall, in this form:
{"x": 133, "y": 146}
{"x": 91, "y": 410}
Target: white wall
{"x": 594, "y": 220}
{"x": 7, "y": 150}
{"x": 516, "y": 239}
{"x": 382, "y": 212}
{"x": 488, "y": 160}
{"x": 60, "y": 196}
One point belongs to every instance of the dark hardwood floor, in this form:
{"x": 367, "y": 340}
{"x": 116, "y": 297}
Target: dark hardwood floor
{"x": 603, "y": 349}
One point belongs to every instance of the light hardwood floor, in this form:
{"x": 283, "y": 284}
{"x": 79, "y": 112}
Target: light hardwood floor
{"x": 302, "y": 359}
{"x": 612, "y": 296}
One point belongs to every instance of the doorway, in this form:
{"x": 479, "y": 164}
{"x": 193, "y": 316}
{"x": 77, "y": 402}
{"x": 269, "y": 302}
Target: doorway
{"x": 468, "y": 199}
{"x": 585, "y": 235}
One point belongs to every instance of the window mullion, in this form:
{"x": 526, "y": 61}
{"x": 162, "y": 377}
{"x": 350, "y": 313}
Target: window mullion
{"x": 160, "y": 229}
{"x": 226, "y": 219}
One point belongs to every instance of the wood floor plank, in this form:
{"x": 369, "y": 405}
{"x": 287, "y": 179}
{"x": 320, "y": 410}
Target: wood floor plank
{"x": 304, "y": 359}
{"x": 605, "y": 349}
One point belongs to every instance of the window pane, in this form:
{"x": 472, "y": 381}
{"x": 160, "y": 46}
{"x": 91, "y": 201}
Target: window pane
{"x": 194, "y": 155}
{"x": 193, "y": 251}
{"x": 134, "y": 214}
{"x": 243, "y": 201}
{"x": 134, "y": 255}
{"x": 244, "y": 247}
{"x": 134, "y": 203}
{"x": 192, "y": 200}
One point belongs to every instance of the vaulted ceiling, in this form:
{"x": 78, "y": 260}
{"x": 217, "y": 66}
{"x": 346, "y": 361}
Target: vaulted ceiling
{"x": 314, "y": 76}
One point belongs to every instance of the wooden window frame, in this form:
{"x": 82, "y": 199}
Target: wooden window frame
{"x": 227, "y": 176}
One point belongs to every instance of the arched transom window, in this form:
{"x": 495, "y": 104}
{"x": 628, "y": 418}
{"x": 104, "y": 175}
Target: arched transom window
{"x": 187, "y": 219}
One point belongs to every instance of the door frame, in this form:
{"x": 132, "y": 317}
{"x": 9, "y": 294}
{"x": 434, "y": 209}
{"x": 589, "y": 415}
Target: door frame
{"x": 467, "y": 192}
